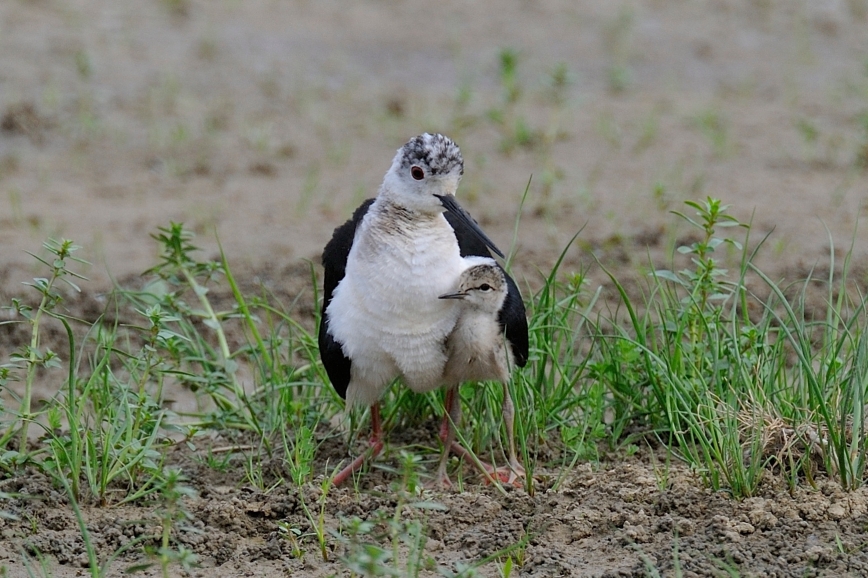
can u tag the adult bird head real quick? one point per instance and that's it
(424, 177)
(427, 166)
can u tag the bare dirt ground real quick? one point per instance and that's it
(268, 121)
(627, 518)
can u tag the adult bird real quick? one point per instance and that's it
(384, 271)
(489, 339)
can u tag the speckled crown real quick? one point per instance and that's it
(435, 153)
(484, 273)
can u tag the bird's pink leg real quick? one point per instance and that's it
(516, 471)
(451, 418)
(512, 474)
(445, 425)
(374, 449)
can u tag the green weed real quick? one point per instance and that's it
(32, 357)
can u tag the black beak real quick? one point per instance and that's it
(451, 205)
(453, 296)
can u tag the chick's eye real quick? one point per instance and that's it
(417, 173)
(485, 287)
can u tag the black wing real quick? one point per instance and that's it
(512, 317)
(334, 261)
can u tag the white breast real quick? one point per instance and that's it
(387, 305)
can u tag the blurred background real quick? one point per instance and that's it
(267, 121)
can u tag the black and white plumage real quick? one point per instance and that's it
(385, 269)
(490, 338)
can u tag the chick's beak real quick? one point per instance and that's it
(458, 295)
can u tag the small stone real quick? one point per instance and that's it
(685, 527)
(837, 512)
(731, 536)
(638, 533)
(762, 519)
(817, 553)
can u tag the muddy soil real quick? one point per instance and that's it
(267, 122)
(631, 517)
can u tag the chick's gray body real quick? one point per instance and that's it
(476, 348)
(489, 339)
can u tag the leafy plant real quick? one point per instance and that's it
(32, 357)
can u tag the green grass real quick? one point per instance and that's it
(728, 370)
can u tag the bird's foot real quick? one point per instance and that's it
(513, 474)
(440, 482)
(376, 446)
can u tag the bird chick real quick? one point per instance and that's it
(489, 338)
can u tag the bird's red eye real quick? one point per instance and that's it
(417, 173)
